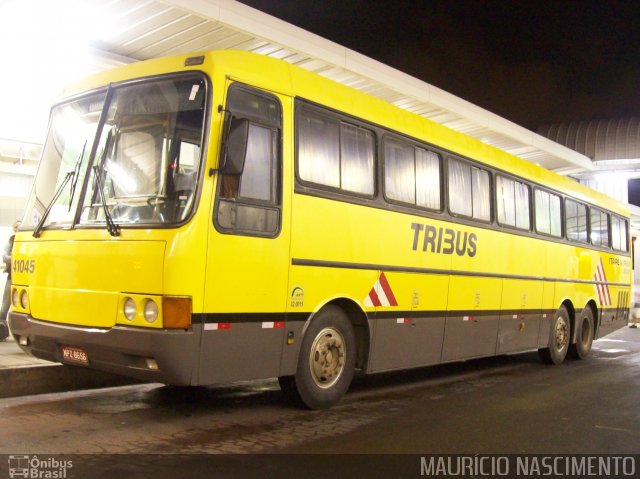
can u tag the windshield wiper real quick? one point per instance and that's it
(76, 175)
(67, 178)
(112, 228)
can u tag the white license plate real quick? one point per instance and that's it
(74, 355)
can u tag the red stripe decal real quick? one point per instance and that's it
(387, 290)
(605, 286)
(603, 289)
(374, 298)
(604, 276)
(601, 296)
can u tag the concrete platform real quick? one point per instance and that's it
(22, 375)
(11, 356)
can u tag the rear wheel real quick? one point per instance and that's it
(326, 362)
(559, 337)
(584, 335)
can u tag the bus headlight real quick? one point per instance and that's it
(130, 309)
(24, 299)
(15, 298)
(150, 311)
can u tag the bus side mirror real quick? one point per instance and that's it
(235, 151)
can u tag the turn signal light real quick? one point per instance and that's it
(176, 312)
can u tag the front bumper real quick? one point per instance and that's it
(120, 350)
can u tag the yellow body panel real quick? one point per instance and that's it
(78, 281)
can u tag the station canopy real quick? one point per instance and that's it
(144, 29)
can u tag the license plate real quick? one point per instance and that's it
(74, 355)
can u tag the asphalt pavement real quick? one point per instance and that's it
(384, 426)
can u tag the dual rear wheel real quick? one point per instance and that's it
(585, 332)
(560, 337)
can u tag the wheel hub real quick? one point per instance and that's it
(562, 334)
(327, 357)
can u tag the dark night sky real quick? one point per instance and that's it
(533, 62)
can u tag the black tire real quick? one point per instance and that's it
(559, 338)
(326, 362)
(585, 329)
(4, 330)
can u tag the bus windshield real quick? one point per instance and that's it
(133, 152)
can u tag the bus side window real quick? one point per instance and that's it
(249, 203)
(599, 228)
(469, 190)
(619, 234)
(411, 174)
(335, 154)
(548, 213)
(512, 203)
(576, 221)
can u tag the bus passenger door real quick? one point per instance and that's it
(248, 250)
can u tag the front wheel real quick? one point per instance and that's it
(559, 337)
(326, 363)
(584, 335)
(4, 330)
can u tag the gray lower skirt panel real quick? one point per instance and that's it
(118, 350)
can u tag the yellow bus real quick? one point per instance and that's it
(227, 216)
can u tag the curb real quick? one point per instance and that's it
(43, 379)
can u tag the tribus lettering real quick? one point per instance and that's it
(444, 240)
